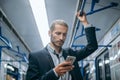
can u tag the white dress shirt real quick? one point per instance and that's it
(57, 59)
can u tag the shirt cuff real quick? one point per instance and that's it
(55, 73)
(89, 25)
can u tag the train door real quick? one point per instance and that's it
(103, 66)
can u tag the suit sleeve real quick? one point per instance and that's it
(34, 73)
(90, 47)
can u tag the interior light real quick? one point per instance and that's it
(40, 15)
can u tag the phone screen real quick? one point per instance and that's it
(71, 59)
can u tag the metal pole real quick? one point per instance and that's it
(0, 62)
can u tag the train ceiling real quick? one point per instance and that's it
(20, 15)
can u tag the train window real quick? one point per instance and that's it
(12, 72)
(103, 66)
(107, 66)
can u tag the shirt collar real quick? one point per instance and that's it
(52, 50)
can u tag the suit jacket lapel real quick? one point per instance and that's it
(49, 58)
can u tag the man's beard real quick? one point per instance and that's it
(56, 44)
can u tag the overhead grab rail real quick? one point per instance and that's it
(9, 47)
(19, 54)
(11, 27)
(5, 40)
(82, 7)
(93, 4)
(8, 43)
(82, 31)
(22, 55)
(112, 4)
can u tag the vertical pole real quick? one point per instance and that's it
(0, 28)
(0, 31)
(76, 29)
(82, 7)
(19, 75)
(96, 69)
(0, 56)
(82, 68)
(0, 62)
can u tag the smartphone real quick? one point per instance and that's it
(71, 59)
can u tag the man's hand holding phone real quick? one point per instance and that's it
(65, 66)
(71, 59)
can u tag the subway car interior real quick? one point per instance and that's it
(24, 26)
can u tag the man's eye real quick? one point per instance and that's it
(65, 34)
(58, 33)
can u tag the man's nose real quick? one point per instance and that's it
(62, 37)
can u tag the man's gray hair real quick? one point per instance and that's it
(59, 22)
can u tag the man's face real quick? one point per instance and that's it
(58, 35)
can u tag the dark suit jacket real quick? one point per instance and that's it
(41, 64)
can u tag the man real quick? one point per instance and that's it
(50, 63)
